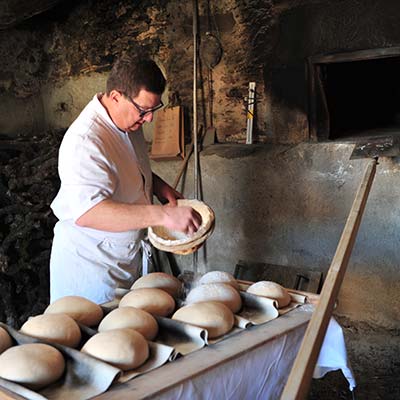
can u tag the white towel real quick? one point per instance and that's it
(333, 355)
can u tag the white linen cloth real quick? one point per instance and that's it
(261, 374)
(333, 355)
(97, 161)
(258, 374)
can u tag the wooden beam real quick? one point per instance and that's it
(300, 376)
(359, 55)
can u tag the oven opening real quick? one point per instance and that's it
(352, 97)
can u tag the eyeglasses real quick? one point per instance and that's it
(143, 112)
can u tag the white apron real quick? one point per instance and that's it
(93, 264)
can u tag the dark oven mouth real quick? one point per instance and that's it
(354, 95)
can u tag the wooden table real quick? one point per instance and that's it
(223, 360)
(212, 368)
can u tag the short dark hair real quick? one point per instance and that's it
(129, 75)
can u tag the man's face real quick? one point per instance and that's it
(135, 111)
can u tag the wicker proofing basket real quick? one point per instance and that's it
(178, 242)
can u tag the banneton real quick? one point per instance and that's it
(168, 240)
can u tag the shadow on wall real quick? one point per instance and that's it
(56, 107)
(289, 115)
(21, 116)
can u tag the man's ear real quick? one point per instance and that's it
(115, 96)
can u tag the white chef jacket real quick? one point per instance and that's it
(97, 161)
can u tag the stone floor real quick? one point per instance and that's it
(370, 386)
(374, 354)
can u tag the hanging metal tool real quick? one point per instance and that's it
(210, 54)
(210, 50)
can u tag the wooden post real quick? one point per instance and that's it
(298, 384)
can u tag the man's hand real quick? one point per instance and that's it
(183, 219)
(164, 192)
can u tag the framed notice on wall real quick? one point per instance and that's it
(168, 137)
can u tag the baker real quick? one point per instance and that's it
(104, 204)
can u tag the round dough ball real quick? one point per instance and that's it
(79, 308)
(124, 348)
(154, 301)
(34, 365)
(5, 340)
(216, 317)
(130, 317)
(221, 292)
(271, 290)
(160, 280)
(219, 277)
(55, 328)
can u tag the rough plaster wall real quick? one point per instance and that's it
(21, 115)
(63, 103)
(288, 205)
(245, 43)
(263, 41)
(77, 39)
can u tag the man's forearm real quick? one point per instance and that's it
(164, 192)
(158, 183)
(112, 216)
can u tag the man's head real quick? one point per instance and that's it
(134, 89)
(130, 74)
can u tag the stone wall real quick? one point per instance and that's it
(49, 61)
(262, 41)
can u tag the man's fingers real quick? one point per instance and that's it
(184, 219)
(172, 201)
(197, 219)
(194, 224)
(192, 227)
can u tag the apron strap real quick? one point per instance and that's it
(147, 259)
